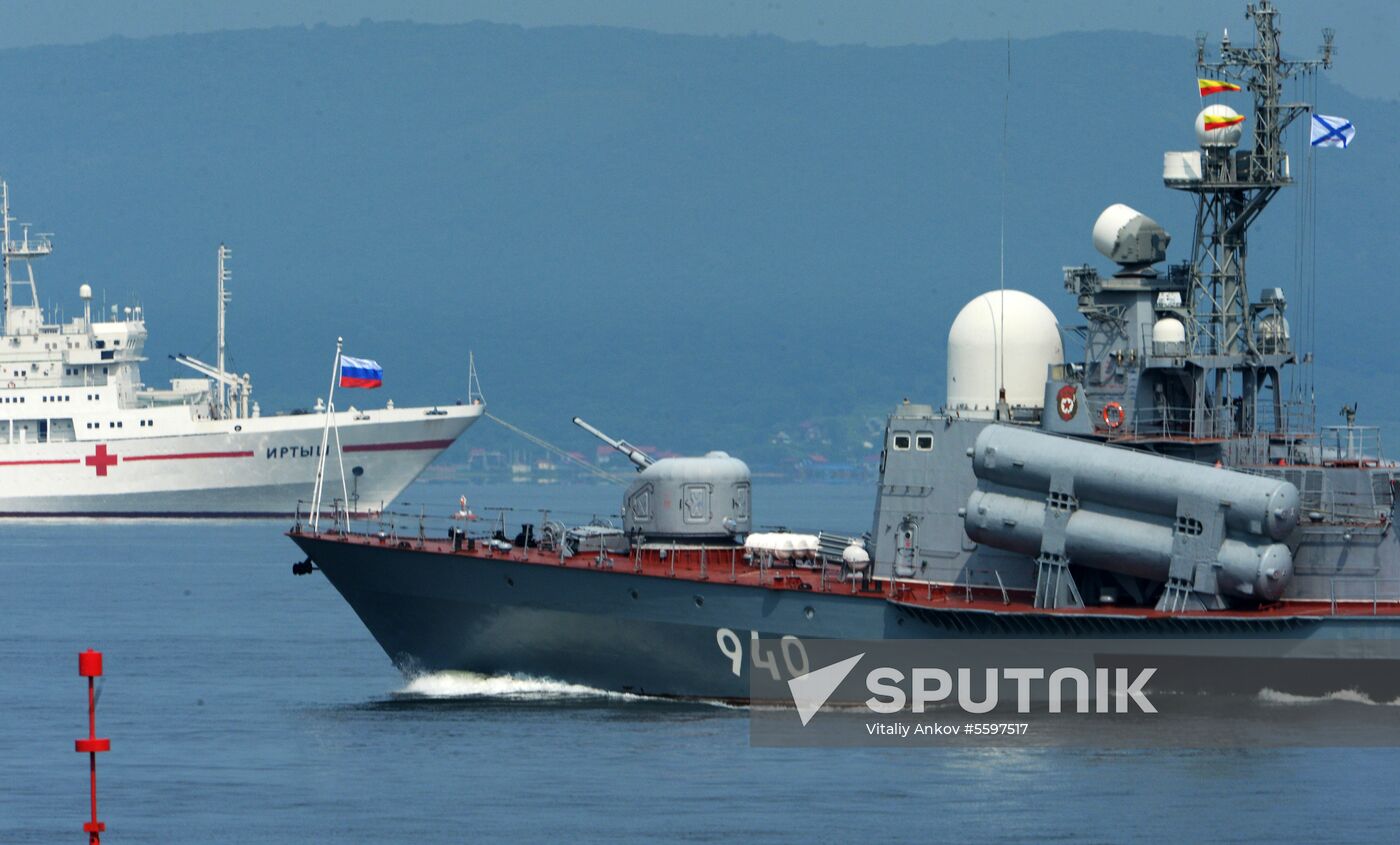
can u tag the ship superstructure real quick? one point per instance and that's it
(82, 435)
(1166, 485)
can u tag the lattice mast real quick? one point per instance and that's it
(1234, 187)
(225, 296)
(25, 250)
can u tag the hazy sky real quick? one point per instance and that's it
(1368, 31)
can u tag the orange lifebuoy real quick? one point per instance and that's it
(1113, 415)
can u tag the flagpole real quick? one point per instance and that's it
(325, 436)
(340, 459)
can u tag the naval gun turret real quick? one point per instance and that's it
(683, 499)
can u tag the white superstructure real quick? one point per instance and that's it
(81, 434)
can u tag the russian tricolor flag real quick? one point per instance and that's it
(360, 372)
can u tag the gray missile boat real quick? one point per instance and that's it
(1165, 487)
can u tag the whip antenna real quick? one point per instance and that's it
(1001, 322)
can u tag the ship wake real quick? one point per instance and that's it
(470, 685)
(1274, 697)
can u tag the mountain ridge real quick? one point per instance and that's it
(691, 240)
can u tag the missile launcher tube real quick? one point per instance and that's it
(1135, 481)
(1138, 547)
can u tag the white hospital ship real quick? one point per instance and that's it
(82, 435)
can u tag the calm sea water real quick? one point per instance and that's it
(246, 705)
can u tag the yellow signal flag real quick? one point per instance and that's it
(1220, 121)
(1215, 86)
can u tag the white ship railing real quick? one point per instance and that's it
(1368, 589)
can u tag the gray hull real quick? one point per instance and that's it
(649, 635)
(606, 629)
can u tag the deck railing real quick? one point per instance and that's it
(1362, 588)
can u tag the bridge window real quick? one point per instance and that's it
(901, 441)
(924, 441)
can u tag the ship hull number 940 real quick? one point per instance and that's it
(791, 652)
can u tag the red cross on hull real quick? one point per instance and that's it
(100, 460)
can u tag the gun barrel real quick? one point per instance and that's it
(635, 455)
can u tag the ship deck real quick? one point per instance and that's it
(728, 565)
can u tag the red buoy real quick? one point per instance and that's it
(90, 667)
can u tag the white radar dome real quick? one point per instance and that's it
(1169, 337)
(1219, 126)
(1168, 330)
(984, 349)
(85, 291)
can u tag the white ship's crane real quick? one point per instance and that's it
(241, 387)
(231, 391)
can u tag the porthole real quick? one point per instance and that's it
(634, 594)
(808, 612)
(510, 582)
(699, 601)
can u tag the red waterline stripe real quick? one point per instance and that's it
(182, 456)
(411, 445)
(40, 463)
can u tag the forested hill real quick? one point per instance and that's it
(695, 242)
